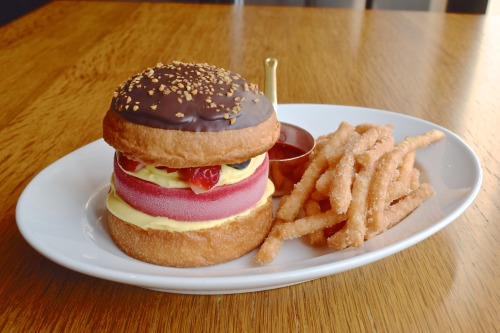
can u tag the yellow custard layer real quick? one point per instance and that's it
(125, 212)
(228, 175)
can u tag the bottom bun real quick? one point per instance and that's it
(194, 248)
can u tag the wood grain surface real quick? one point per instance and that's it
(61, 63)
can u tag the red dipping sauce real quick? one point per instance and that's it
(284, 151)
(288, 158)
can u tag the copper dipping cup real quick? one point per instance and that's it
(285, 173)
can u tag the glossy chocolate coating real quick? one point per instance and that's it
(191, 97)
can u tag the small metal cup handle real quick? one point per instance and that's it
(270, 87)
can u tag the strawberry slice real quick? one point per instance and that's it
(128, 164)
(167, 169)
(201, 179)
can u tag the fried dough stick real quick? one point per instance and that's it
(340, 190)
(385, 142)
(303, 189)
(397, 212)
(385, 168)
(317, 238)
(401, 186)
(290, 230)
(353, 232)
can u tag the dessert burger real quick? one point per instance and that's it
(190, 184)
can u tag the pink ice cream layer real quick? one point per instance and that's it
(182, 204)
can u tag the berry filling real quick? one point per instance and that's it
(200, 179)
(128, 164)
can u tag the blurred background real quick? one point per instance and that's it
(13, 9)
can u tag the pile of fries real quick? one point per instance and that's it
(358, 184)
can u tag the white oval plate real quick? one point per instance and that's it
(61, 214)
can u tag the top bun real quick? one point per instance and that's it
(188, 115)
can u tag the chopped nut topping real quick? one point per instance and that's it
(213, 89)
(179, 114)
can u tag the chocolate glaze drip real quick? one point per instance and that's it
(191, 97)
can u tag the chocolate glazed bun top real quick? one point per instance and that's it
(191, 97)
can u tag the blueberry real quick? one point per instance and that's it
(240, 166)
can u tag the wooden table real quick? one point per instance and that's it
(61, 63)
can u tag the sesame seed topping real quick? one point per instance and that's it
(179, 115)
